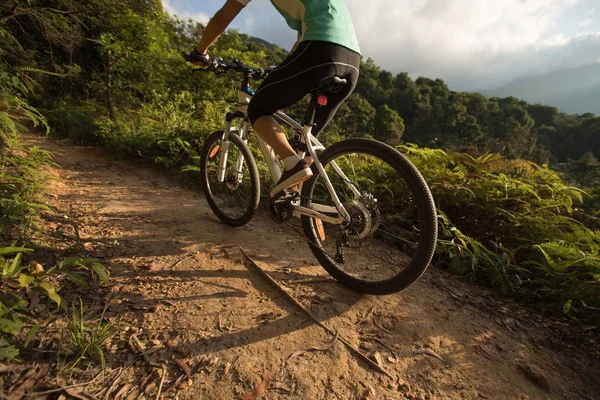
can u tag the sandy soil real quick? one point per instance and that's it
(183, 287)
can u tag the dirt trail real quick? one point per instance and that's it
(182, 286)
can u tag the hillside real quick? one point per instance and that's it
(112, 259)
(575, 90)
(182, 288)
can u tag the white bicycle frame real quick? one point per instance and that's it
(272, 160)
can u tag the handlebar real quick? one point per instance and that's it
(220, 66)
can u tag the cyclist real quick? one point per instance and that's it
(326, 47)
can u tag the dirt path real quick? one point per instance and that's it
(183, 287)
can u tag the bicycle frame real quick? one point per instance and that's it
(272, 160)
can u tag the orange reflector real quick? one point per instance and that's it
(214, 151)
(322, 100)
(320, 229)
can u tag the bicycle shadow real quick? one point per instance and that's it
(208, 270)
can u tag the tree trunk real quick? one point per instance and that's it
(109, 100)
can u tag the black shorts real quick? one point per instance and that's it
(302, 72)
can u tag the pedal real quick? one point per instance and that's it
(285, 197)
(280, 208)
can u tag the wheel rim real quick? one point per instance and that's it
(233, 196)
(383, 240)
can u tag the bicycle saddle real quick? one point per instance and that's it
(331, 85)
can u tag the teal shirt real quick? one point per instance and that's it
(325, 20)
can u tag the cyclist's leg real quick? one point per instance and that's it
(351, 72)
(301, 73)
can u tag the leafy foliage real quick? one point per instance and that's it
(14, 311)
(23, 179)
(511, 224)
(516, 184)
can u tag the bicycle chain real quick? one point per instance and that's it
(308, 240)
(304, 236)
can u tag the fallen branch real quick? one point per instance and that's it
(61, 389)
(431, 353)
(162, 381)
(141, 350)
(381, 342)
(182, 260)
(113, 384)
(273, 282)
(380, 325)
(327, 347)
(308, 281)
(183, 366)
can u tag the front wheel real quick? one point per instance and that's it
(390, 237)
(235, 196)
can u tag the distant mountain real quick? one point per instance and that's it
(268, 45)
(575, 90)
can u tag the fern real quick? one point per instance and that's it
(8, 351)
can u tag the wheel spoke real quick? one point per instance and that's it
(372, 250)
(236, 198)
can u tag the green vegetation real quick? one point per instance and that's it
(88, 337)
(513, 224)
(516, 183)
(23, 180)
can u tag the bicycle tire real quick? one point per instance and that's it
(418, 188)
(254, 181)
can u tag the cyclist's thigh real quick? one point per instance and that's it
(350, 72)
(302, 72)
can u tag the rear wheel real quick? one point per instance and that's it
(391, 235)
(235, 199)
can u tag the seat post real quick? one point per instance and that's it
(309, 115)
(319, 97)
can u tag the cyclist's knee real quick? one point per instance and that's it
(255, 112)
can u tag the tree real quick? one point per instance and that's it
(355, 117)
(388, 125)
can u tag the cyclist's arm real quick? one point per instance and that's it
(218, 24)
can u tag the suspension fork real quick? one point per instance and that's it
(240, 160)
(225, 145)
(224, 152)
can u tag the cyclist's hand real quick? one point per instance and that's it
(202, 60)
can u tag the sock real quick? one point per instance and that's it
(290, 162)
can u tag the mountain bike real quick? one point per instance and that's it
(367, 214)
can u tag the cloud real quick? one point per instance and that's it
(586, 22)
(471, 44)
(182, 10)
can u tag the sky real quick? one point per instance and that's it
(470, 44)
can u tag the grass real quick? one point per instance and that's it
(87, 338)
